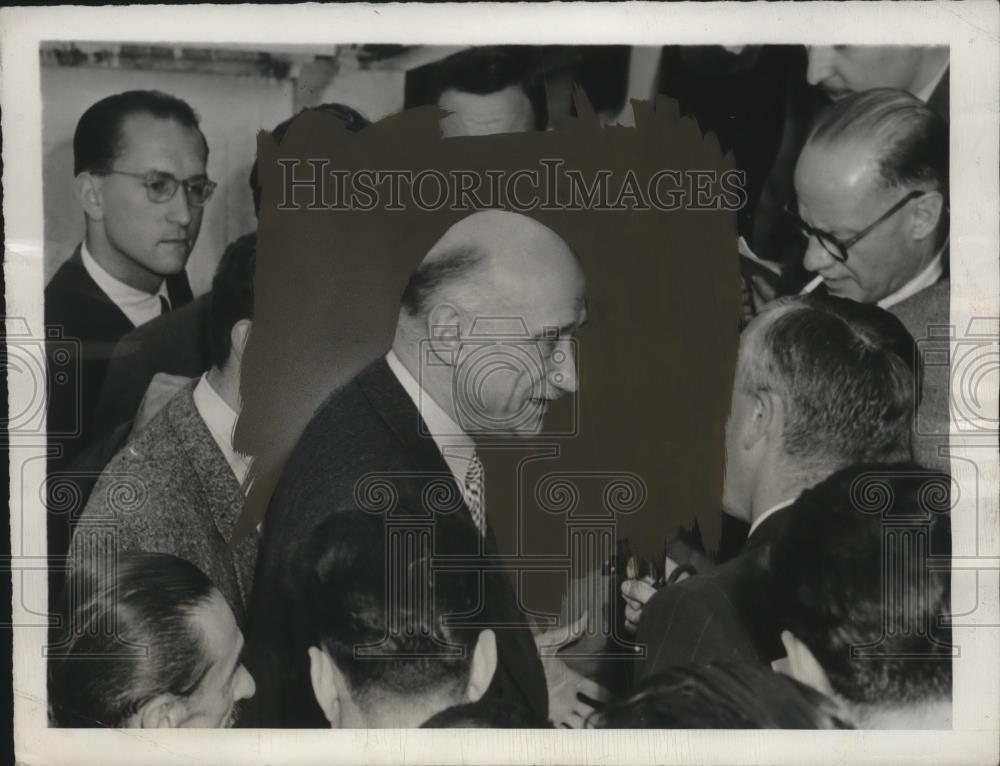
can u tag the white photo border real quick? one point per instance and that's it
(972, 31)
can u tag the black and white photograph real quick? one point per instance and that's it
(616, 375)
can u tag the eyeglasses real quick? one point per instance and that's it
(838, 247)
(161, 187)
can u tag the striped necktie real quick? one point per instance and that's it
(474, 493)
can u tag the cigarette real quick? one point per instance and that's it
(812, 285)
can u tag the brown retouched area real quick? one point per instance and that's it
(640, 445)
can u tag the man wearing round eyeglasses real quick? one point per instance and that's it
(872, 193)
(140, 177)
(872, 204)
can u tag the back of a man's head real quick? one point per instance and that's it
(351, 119)
(383, 620)
(232, 295)
(862, 581)
(97, 140)
(847, 374)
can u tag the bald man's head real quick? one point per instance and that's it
(505, 292)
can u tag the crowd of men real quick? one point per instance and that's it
(799, 629)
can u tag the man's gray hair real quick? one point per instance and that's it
(847, 373)
(448, 269)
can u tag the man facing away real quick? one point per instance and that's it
(382, 656)
(181, 468)
(821, 383)
(862, 584)
(409, 421)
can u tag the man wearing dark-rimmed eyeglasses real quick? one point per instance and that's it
(141, 181)
(872, 204)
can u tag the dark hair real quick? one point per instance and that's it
(352, 120)
(876, 639)
(485, 69)
(723, 696)
(912, 137)
(411, 648)
(232, 295)
(447, 269)
(485, 713)
(847, 372)
(97, 141)
(489, 69)
(126, 637)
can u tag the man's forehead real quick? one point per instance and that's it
(160, 139)
(840, 174)
(221, 635)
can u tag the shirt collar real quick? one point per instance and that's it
(456, 446)
(769, 512)
(929, 276)
(138, 305)
(220, 419)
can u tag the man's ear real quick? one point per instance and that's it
(444, 332)
(90, 196)
(164, 711)
(926, 213)
(766, 419)
(323, 675)
(238, 338)
(803, 666)
(484, 665)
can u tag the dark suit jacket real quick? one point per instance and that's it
(176, 343)
(186, 499)
(369, 425)
(725, 615)
(921, 313)
(82, 325)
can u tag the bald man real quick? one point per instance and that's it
(399, 440)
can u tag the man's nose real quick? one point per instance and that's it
(820, 58)
(179, 210)
(245, 687)
(562, 368)
(816, 257)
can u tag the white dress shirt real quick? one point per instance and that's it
(924, 279)
(138, 305)
(220, 419)
(456, 447)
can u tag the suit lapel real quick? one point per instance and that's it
(103, 312)
(179, 290)
(388, 397)
(390, 400)
(219, 488)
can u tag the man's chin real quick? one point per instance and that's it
(843, 288)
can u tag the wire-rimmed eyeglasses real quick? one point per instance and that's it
(161, 187)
